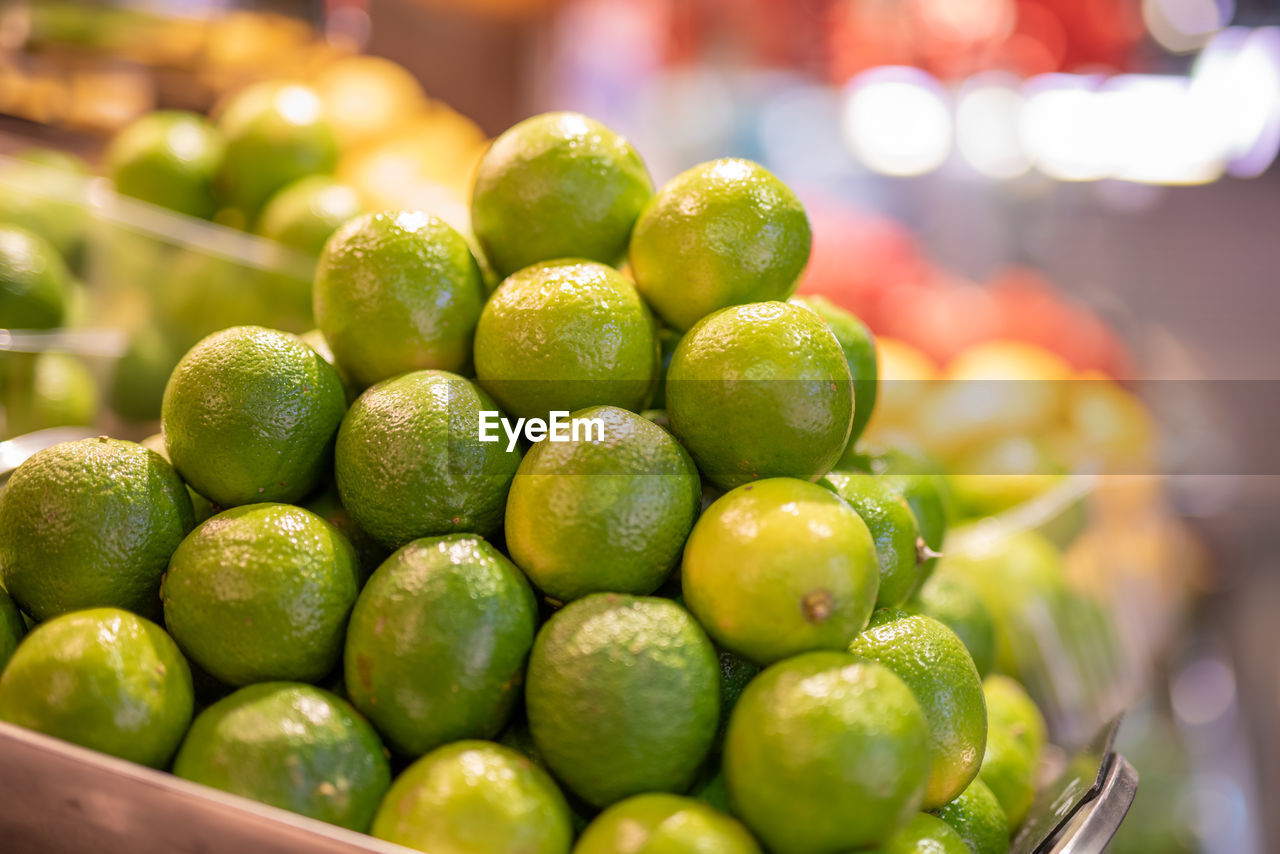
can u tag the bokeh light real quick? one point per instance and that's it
(896, 121)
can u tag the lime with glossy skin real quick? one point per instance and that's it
(1008, 770)
(438, 641)
(34, 283)
(979, 819)
(780, 567)
(826, 753)
(937, 668)
(250, 415)
(1011, 709)
(565, 335)
(726, 232)
(920, 480)
(859, 347)
(275, 134)
(168, 158)
(90, 524)
(558, 185)
(201, 507)
(292, 746)
(667, 823)
(892, 526)
(102, 678)
(605, 513)
(305, 213)
(409, 461)
(760, 390)
(956, 603)
(924, 834)
(261, 593)
(622, 696)
(395, 292)
(12, 628)
(475, 796)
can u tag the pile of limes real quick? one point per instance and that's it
(677, 629)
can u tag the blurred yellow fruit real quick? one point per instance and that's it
(367, 97)
(1107, 428)
(906, 376)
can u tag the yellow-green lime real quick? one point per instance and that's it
(780, 567)
(409, 461)
(202, 508)
(197, 294)
(437, 643)
(954, 602)
(475, 796)
(169, 158)
(275, 134)
(90, 524)
(760, 390)
(892, 526)
(924, 834)
(305, 213)
(723, 233)
(292, 746)
(919, 479)
(46, 194)
(102, 678)
(565, 335)
(1011, 709)
(34, 282)
(262, 593)
(250, 415)
(826, 753)
(665, 823)
(935, 665)
(314, 339)
(979, 819)
(622, 696)
(558, 185)
(859, 347)
(1009, 770)
(370, 553)
(607, 512)
(397, 291)
(12, 628)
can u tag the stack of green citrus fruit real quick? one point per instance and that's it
(682, 630)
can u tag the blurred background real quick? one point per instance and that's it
(1080, 195)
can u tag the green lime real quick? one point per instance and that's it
(202, 508)
(780, 567)
(859, 347)
(137, 384)
(250, 415)
(1009, 770)
(826, 753)
(979, 819)
(622, 696)
(605, 512)
(34, 282)
(169, 158)
(438, 641)
(395, 292)
(12, 628)
(723, 233)
(291, 746)
(937, 668)
(558, 185)
(305, 213)
(409, 461)
(275, 134)
(45, 192)
(62, 392)
(370, 553)
(475, 796)
(565, 335)
(90, 524)
(103, 679)
(262, 593)
(920, 480)
(924, 834)
(954, 602)
(892, 526)
(1011, 709)
(314, 339)
(760, 390)
(665, 823)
